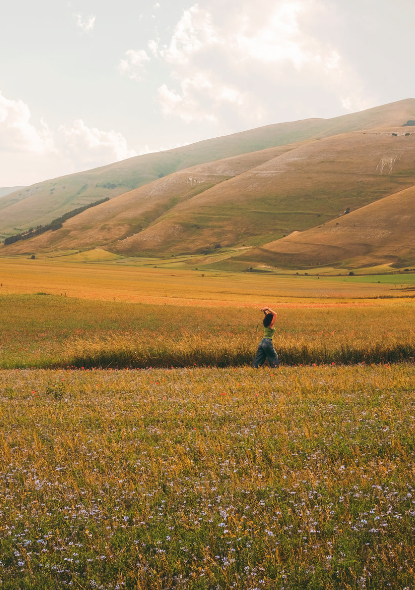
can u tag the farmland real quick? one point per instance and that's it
(140, 450)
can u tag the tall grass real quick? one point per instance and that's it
(206, 349)
(45, 331)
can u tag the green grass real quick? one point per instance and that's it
(208, 479)
(402, 278)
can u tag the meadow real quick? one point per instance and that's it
(208, 478)
(46, 331)
(140, 450)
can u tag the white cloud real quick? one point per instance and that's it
(279, 40)
(18, 134)
(154, 48)
(87, 25)
(30, 152)
(133, 65)
(198, 97)
(193, 33)
(242, 63)
(89, 146)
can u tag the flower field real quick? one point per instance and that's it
(208, 478)
(139, 449)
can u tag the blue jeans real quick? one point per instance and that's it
(266, 351)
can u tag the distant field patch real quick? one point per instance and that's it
(96, 255)
(150, 282)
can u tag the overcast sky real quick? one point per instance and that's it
(86, 82)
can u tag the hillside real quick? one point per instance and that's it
(45, 201)
(247, 200)
(132, 212)
(380, 233)
(6, 190)
(294, 191)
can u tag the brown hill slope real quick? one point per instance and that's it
(42, 202)
(131, 212)
(252, 199)
(380, 233)
(297, 190)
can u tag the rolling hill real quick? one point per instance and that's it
(129, 214)
(286, 202)
(294, 191)
(380, 233)
(6, 190)
(39, 204)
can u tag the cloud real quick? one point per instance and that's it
(18, 134)
(133, 65)
(86, 25)
(89, 146)
(193, 33)
(242, 63)
(198, 97)
(30, 152)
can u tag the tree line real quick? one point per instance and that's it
(53, 225)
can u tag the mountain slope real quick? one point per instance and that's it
(131, 212)
(42, 202)
(297, 190)
(6, 190)
(246, 200)
(380, 233)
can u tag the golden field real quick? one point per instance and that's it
(208, 478)
(139, 450)
(156, 281)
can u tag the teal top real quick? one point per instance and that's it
(269, 332)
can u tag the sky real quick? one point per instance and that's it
(84, 83)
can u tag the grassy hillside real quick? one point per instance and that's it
(295, 191)
(248, 200)
(380, 233)
(6, 190)
(132, 212)
(42, 202)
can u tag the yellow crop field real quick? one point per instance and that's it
(146, 284)
(139, 449)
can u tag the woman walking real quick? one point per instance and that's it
(266, 348)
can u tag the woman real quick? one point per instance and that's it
(265, 348)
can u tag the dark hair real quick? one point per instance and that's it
(267, 319)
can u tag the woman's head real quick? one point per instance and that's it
(267, 319)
